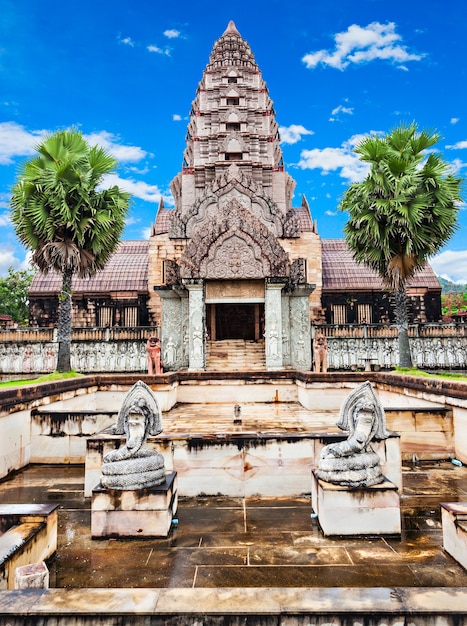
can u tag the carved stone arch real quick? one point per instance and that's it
(233, 115)
(235, 255)
(234, 228)
(261, 205)
(233, 143)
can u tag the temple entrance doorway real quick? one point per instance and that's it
(235, 321)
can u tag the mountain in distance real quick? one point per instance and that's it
(449, 287)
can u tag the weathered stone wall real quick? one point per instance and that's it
(383, 353)
(344, 353)
(161, 249)
(435, 606)
(86, 357)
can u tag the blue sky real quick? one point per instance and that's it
(125, 73)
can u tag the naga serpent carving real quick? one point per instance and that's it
(353, 462)
(132, 466)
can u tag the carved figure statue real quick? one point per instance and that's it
(132, 466)
(353, 462)
(320, 353)
(153, 349)
(273, 342)
(197, 343)
(170, 354)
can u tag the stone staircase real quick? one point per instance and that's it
(234, 355)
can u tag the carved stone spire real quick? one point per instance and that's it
(231, 28)
(232, 119)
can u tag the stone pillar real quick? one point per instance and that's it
(171, 332)
(286, 339)
(300, 328)
(196, 312)
(273, 323)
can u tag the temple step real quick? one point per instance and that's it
(235, 355)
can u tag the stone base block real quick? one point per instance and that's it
(33, 576)
(454, 521)
(367, 511)
(134, 512)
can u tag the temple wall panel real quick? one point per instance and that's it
(308, 247)
(161, 248)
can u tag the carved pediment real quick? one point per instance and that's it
(236, 244)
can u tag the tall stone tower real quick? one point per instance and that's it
(234, 259)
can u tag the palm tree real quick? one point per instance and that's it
(402, 213)
(59, 213)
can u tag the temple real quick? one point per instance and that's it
(234, 259)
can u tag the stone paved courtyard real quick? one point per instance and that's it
(235, 542)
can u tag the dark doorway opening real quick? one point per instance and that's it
(235, 321)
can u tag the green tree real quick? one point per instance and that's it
(14, 290)
(60, 213)
(402, 213)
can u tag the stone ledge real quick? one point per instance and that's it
(341, 603)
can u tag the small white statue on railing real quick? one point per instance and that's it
(353, 462)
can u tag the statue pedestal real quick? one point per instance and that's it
(365, 511)
(134, 512)
(454, 520)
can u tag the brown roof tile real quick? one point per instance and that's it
(162, 221)
(342, 272)
(306, 223)
(126, 270)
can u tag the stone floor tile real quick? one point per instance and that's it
(289, 555)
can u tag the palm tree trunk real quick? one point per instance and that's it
(64, 324)
(402, 322)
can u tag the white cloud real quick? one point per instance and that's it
(171, 33)
(176, 117)
(108, 141)
(158, 50)
(5, 219)
(293, 133)
(138, 189)
(337, 111)
(342, 109)
(458, 165)
(8, 259)
(454, 120)
(127, 41)
(451, 265)
(146, 232)
(16, 141)
(333, 159)
(361, 45)
(460, 145)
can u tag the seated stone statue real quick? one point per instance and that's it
(132, 466)
(353, 462)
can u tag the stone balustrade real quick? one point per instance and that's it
(350, 348)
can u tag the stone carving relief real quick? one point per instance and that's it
(298, 272)
(130, 356)
(205, 207)
(234, 221)
(172, 272)
(234, 258)
(291, 226)
(132, 466)
(353, 462)
(300, 332)
(171, 332)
